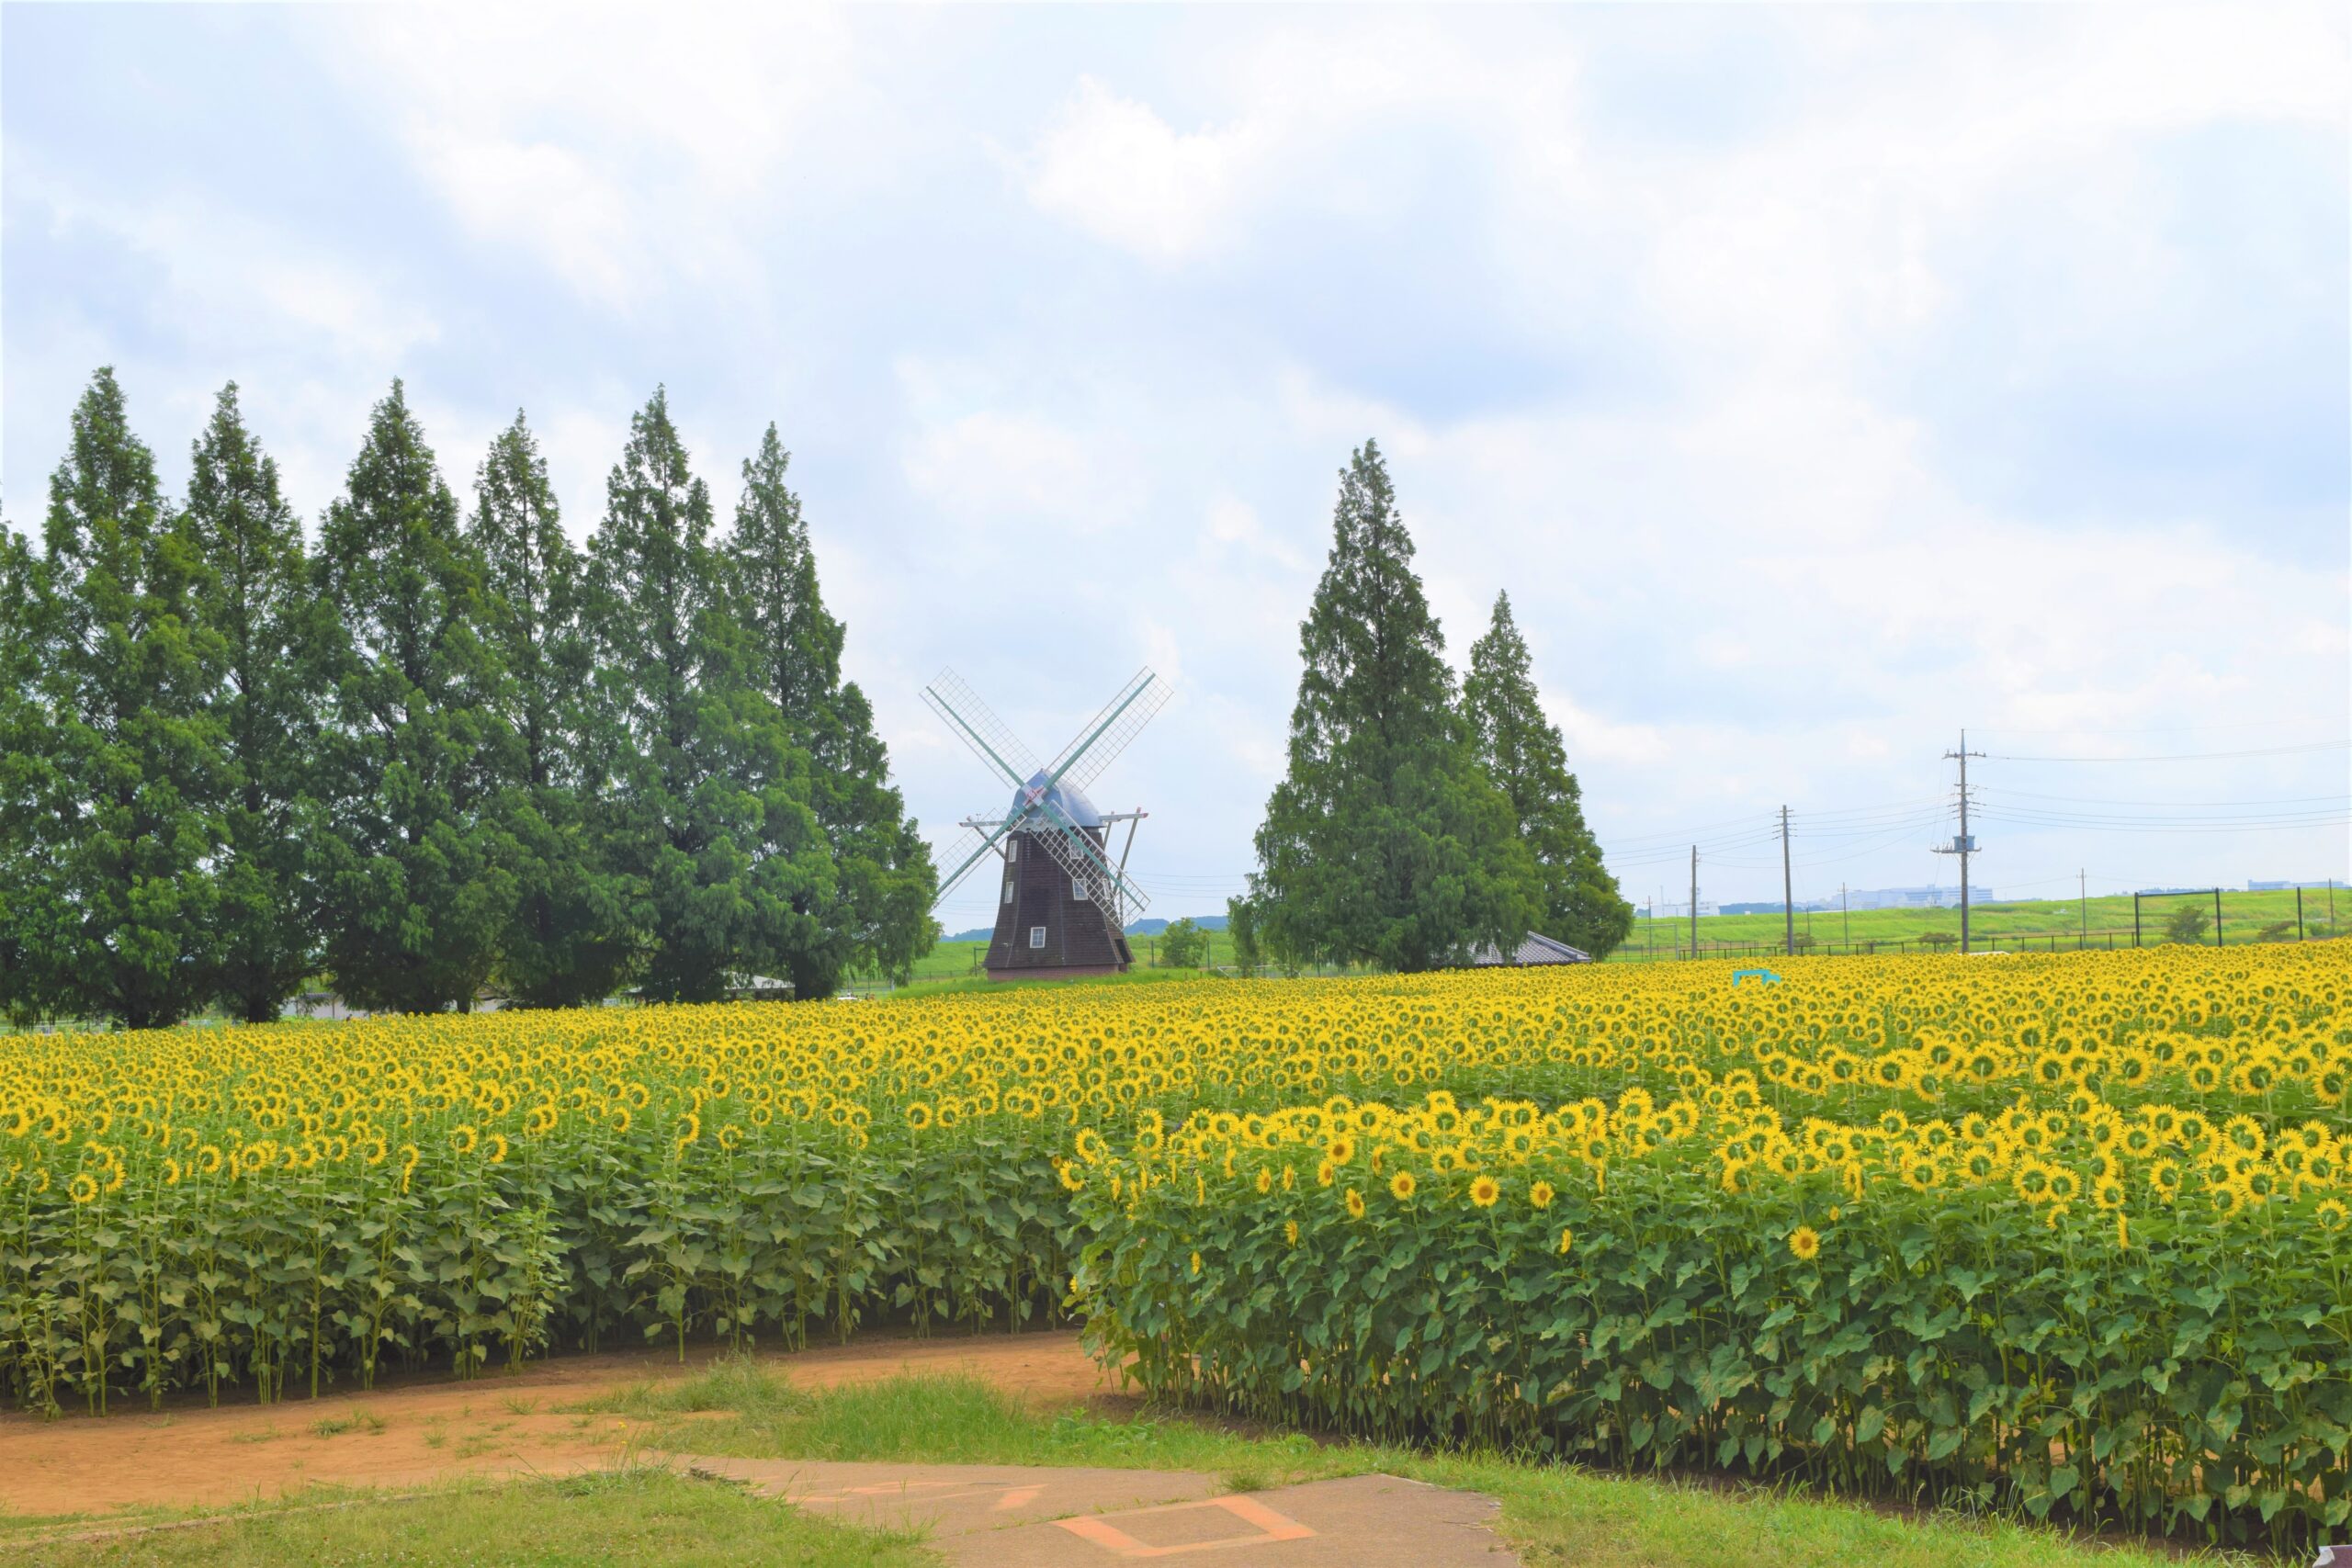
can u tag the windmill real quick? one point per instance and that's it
(1062, 905)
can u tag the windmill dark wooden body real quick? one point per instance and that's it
(1062, 905)
(1047, 921)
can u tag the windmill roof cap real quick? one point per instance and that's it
(1067, 798)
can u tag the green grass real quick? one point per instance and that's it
(963, 982)
(638, 1515)
(1552, 1513)
(1554, 1516)
(960, 960)
(358, 1421)
(2033, 923)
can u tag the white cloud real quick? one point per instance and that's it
(547, 197)
(1009, 468)
(1233, 524)
(1636, 353)
(1589, 736)
(233, 277)
(620, 148)
(1117, 169)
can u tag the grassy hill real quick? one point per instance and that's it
(954, 959)
(2063, 922)
(2039, 923)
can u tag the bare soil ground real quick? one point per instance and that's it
(422, 1432)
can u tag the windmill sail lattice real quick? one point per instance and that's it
(1121, 720)
(1049, 808)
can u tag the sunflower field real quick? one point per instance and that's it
(2063, 1233)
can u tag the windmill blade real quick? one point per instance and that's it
(1071, 851)
(1107, 734)
(967, 853)
(1077, 855)
(960, 708)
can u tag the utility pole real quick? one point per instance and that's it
(1962, 844)
(1651, 923)
(1694, 900)
(2083, 885)
(1788, 898)
(1846, 917)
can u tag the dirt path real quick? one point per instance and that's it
(980, 1515)
(419, 1433)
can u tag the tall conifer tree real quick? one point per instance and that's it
(1385, 843)
(1523, 754)
(568, 941)
(416, 884)
(878, 911)
(255, 600)
(25, 792)
(135, 766)
(708, 815)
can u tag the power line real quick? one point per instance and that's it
(2159, 729)
(2131, 827)
(1962, 844)
(2218, 814)
(2091, 800)
(1869, 848)
(2187, 756)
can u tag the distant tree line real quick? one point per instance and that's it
(1420, 816)
(435, 751)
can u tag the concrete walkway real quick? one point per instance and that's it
(1028, 1517)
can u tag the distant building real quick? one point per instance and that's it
(2289, 886)
(1682, 912)
(1913, 898)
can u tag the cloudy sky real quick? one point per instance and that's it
(1817, 380)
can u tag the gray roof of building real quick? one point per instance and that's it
(1536, 949)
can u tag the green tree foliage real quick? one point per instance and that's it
(1385, 843)
(124, 909)
(1523, 754)
(875, 910)
(708, 814)
(254, 600)
(416, 887)
(568, 940)
(1241, 929)
(25, 790)
(1185, 945)
(2186, 923)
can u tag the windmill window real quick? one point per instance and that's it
(1037, 936)
(1012, 850)
(1007, 890)
(1077, 890)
